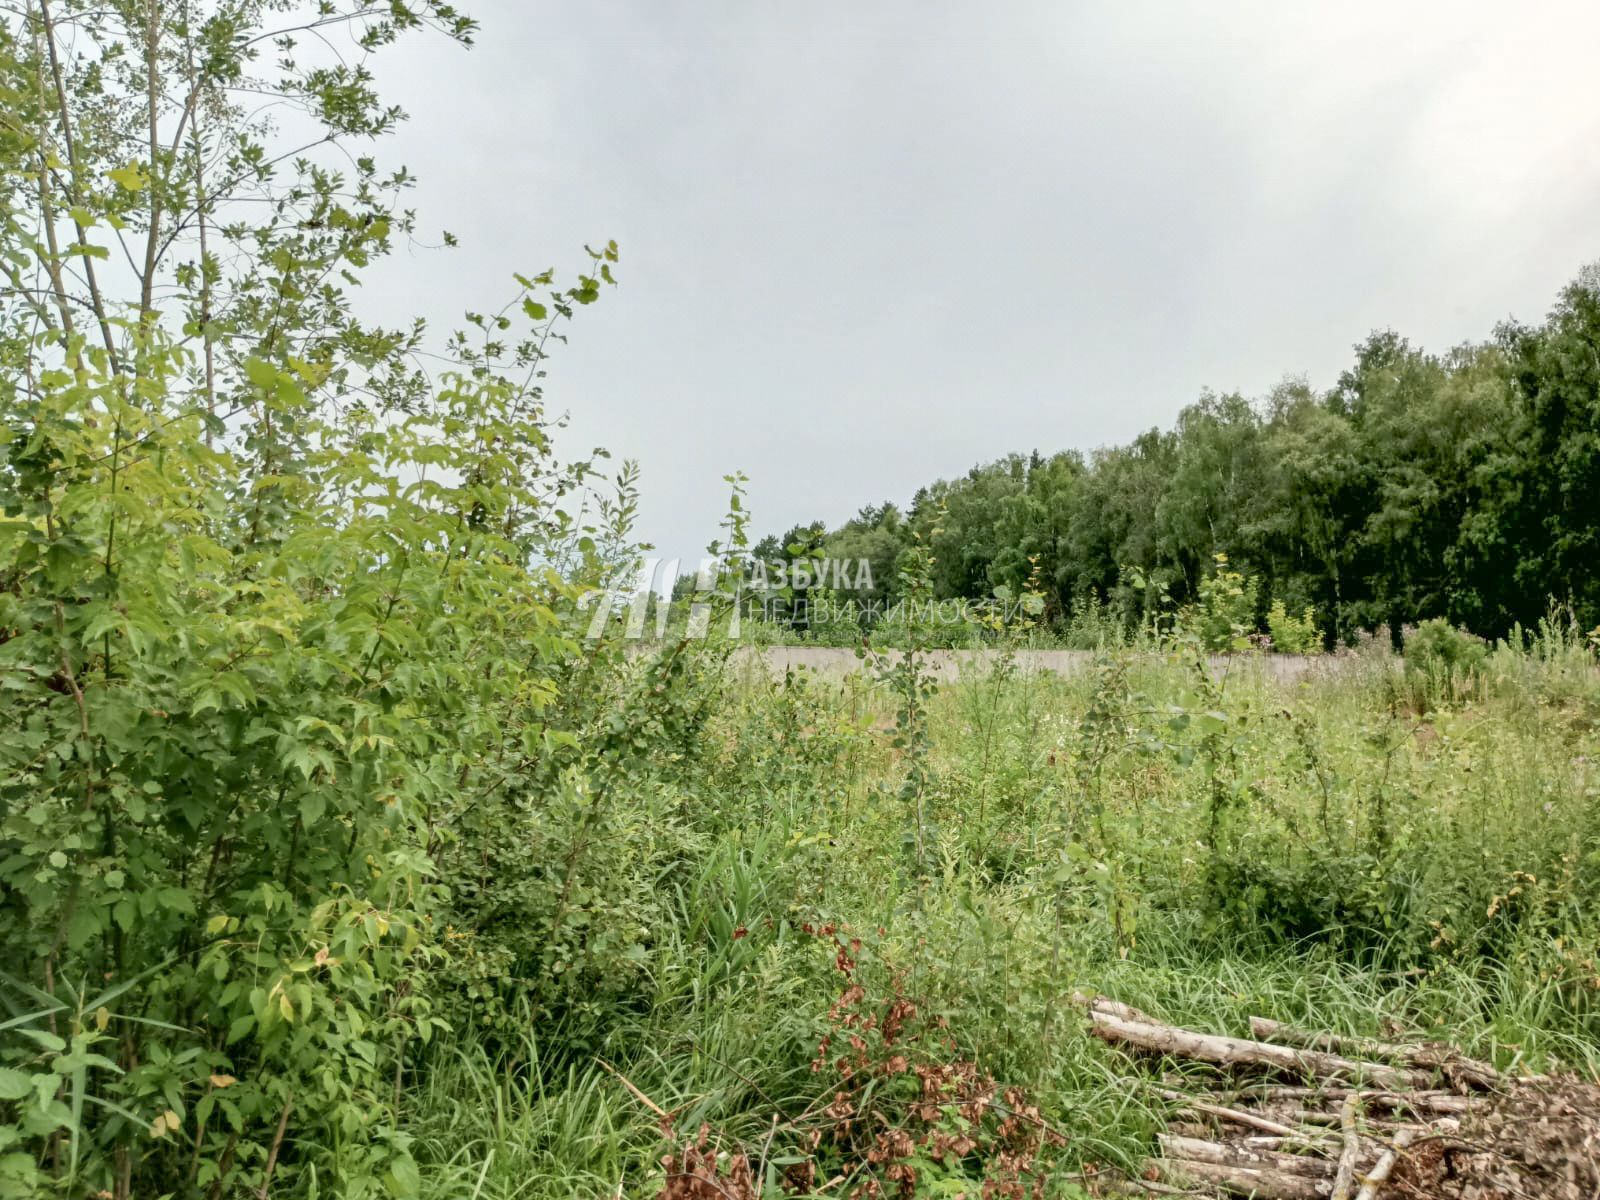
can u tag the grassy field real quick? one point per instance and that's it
(923, 875)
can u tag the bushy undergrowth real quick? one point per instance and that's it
(1436, 646)
(1204, 845)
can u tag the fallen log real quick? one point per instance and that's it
(1259, 1182)
(1237, 1154)
(1269, 1030)
(1417, 1054)
(1310, 1116)
(1344, 1177)
(1115, 1007)
(1283, 1140)
(1231, 1051)
(1436, 1101)
(1237, 1115)
(1301, 1141)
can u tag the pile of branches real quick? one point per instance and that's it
(1292, 1115)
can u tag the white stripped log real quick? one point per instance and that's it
(1229, 1051)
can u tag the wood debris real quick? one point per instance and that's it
(1291, 1114)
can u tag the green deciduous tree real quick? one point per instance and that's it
(276, 606)
(1459, 486)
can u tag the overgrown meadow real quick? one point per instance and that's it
(1362, 850)
(337, 860)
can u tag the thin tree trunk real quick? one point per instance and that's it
(75, 176)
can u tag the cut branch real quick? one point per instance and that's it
(1237, 1115)
(1380, 1172)
(1236, 1155)
(1444, 1058)
(1260, 1182)
(1231, 1051)
(1344, 1177)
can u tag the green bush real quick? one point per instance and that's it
(1291, 634)
(275, 617)
(1224, 616)
(1094, 624)
(1435, 647)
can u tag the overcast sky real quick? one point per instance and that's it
(868, 244)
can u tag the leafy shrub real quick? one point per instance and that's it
(909, 1112)
(1094, 624)
(558, 876)
(238, 717)
(1291, 634)
(274, 614)
(1224, 615)
(835, 618)
(1435, 647)
(1357, 904)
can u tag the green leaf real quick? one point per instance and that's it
(14, 1085)
(130, 178)
(312, 805)
(263, 374)
(404, 1179)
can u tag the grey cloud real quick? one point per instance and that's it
(869, 244)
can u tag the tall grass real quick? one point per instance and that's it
(1356, 851)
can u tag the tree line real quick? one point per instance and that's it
(1462, 485)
